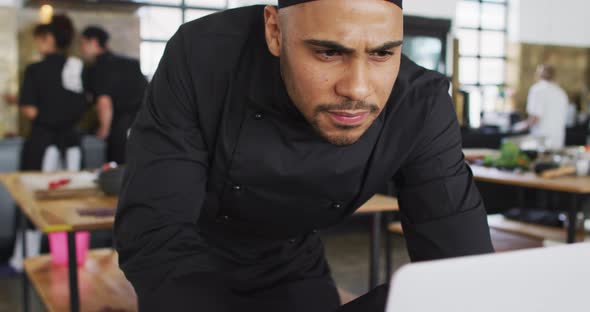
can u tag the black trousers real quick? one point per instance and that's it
(211, 294)
(40, 138)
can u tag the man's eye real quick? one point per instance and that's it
(382, 55)
(328, 54)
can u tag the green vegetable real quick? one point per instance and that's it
(510, 157)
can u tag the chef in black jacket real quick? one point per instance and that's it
(117, 85)
(262, 125)
(52, 97)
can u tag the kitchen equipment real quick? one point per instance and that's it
(111, 179)
(60, 185)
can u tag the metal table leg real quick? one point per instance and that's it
(388, 250)
(375, 248)
(521, 198)
(73, 273)
(23, 228)
(572, 219)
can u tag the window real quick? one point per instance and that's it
(161, 18)
(482, 34)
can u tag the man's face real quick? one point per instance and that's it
(339, 61)
(45, 44)
(88, 47)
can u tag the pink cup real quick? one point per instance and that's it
(58, 247)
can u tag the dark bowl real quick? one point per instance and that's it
(532, 154)
(542, 166)
(110, 181)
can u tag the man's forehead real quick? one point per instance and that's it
(375, 23)
(286, 3)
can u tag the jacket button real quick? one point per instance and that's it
(336, 206)
(258, 116)
(223, 219)
(314, 231)
(292, 241)
(237, 188)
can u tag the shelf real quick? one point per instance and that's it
(102, 284)
(501, 223)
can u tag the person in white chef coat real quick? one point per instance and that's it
(547, 107)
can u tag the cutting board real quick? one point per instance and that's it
(81, 184)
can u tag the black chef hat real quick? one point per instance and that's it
(286, 3)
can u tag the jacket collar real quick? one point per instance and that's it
(265, 86)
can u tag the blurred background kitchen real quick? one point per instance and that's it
(491, 50)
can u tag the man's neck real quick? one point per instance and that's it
(100, 54)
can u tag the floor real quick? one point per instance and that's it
(347, 250)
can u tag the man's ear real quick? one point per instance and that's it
(272, 30)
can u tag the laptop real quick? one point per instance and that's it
(551, 279)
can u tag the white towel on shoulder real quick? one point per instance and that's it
(71, 75)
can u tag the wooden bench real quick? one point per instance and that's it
(541, 232)
(501, 223)
(396, 228)
(103, 287)
(512, 235)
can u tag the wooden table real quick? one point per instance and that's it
(377, 205)
(573, 185)
(57, 216)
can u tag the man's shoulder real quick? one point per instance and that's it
(539, 85)
(43, 64)
(32, 67)
(547, 87)
(229, 23)
(121, 59)
(217, 43)
(416, 81)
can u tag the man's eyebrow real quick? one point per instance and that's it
(386, 46)
(332, 45)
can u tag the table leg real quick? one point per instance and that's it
(23, 230)
(375, 251)
(388, 250)
(572, 219)
(73, 273)
(521, 197)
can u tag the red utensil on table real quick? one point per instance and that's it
(58, 183)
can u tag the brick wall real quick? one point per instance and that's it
(572, 66)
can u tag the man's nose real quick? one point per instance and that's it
(355, 85)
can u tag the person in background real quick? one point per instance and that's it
(52, 97)
(547, 106)
(574, 110)
(117, 85)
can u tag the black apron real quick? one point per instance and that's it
(40, 139)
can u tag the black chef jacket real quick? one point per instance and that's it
(226, 181)
(59, 110)
(121, 79)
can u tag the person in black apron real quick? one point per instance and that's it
(117, 85)
(52, 97)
